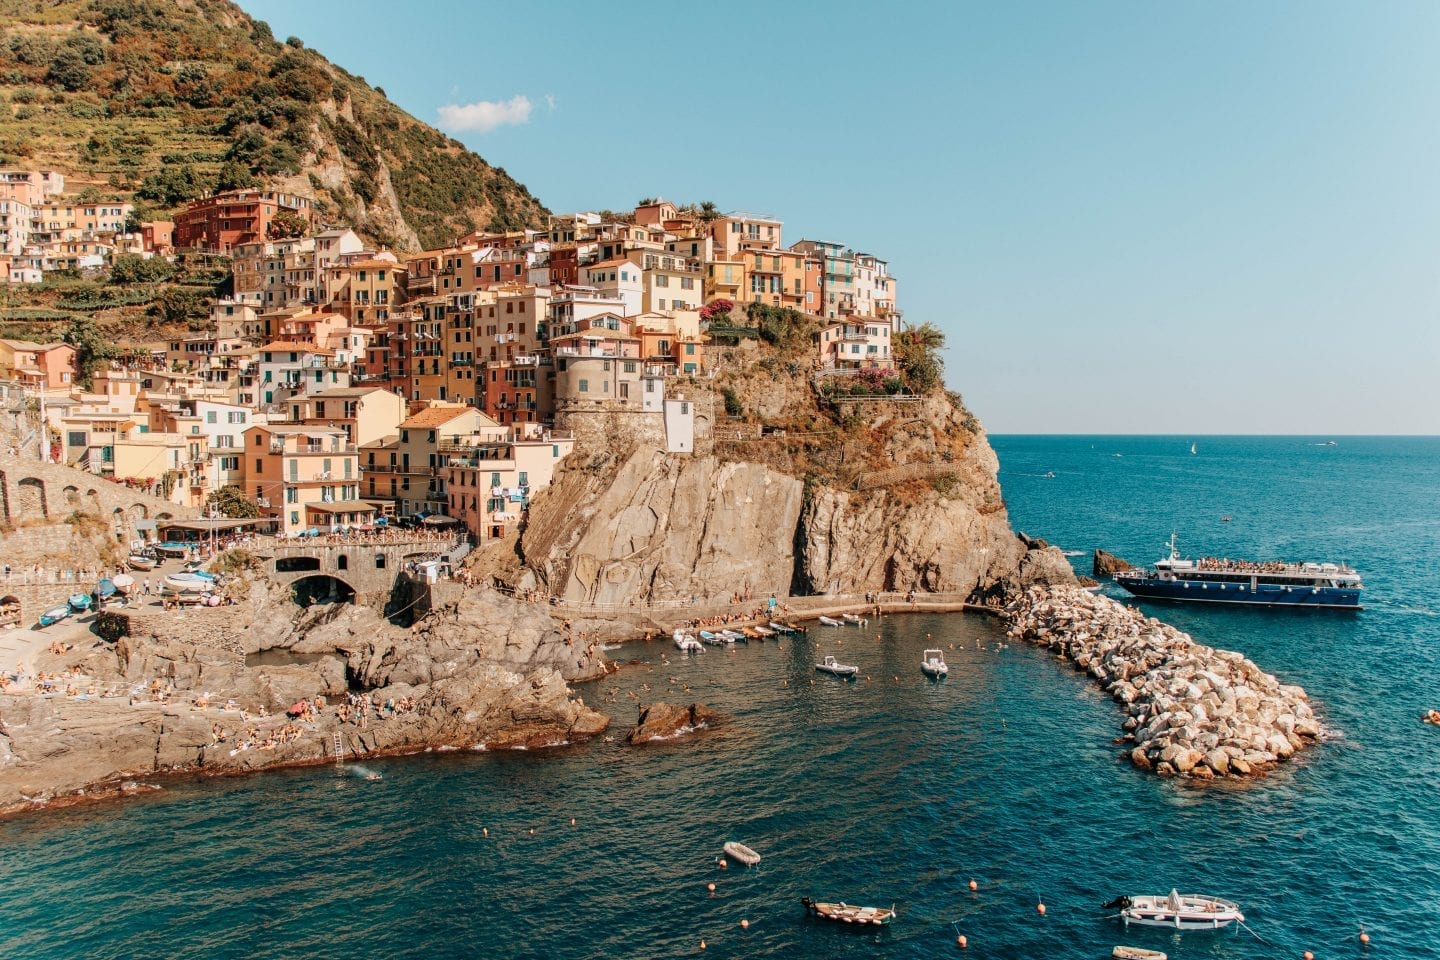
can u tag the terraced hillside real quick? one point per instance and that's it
(158, 101)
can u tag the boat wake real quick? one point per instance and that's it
(1074, 553)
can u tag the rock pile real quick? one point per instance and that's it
(666, 721)
(1194, 711)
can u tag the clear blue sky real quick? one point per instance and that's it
(1127, 217)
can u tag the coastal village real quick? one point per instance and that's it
(340, 387)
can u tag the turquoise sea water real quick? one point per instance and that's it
(896, 790)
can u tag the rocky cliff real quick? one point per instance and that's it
(906, 499)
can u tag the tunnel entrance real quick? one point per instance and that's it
(308, 591)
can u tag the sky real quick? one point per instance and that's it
(1127, 217)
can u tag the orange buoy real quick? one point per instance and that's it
(974, 885)
(724, 864)
(1308, 955)
(711, 888)
(1040, 908)
(744, 924)
(962, 941)
(1364, 937)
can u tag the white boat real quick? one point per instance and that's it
(763, 631)
(853, 619)
(741, 853)
(933, 663)
(716, 639)
(779, 627)
(831, 665)
(1181, 911)
(831, 622)
(732, 635)
(183, 583)
(686, 642)
(1136, 953)
(141, 561)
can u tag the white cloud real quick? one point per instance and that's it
(485, 115)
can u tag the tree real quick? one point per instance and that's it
(286, 224)
(231, 502)
(176, 305)
(917, 353)
(130, 268)
(709, 212)
(91, 347)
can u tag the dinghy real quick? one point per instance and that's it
(741, 853)
(933, 663)
(845, 913)
(141, 561)
(715, 639)
(183, 583)
(853, 619)
(832, 666)
(1136, 953)
(80, 602)
(781, 627)
(831, 622)
(1181, 911)
(686, 642)
(54, 615)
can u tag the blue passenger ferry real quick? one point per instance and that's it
(1267, 584)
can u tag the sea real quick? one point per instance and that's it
(889, 789)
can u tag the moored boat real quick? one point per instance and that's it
(686, 642)
(854, 620)
(741, 853)
(751, 633)
(932, 662)
(831, 622)
(1181, 911)
(187, 583)
(832, 666)
(781, 627)
(141, 561)
(846, 913)
(763, 631)
(1136, 953)
(80, 602)
(54, 615)
(1268, 584)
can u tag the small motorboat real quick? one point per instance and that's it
(54, 615)
(686, 642)
(781, 627)
(80, 602)
(715, 639)
(932, 662)
(845, 913)
(854, 620)
(741, 853)
(732, 635)
(833, 666)
(763, 631)
(1226, 519)
(1181, 911)
(1136, 953)
(831, 622)
(141, 561)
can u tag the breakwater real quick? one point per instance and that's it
(1193, 711)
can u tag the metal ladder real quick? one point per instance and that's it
(339, 751)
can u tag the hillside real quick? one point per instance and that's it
(157, 101)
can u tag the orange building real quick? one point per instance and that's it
(219, 222)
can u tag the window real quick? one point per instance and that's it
(292, 495)
(494, 480)
(662, 281)
(684, 408)
(584, 386)
(689, 349)
(555, 451)
(211, 416)
(629, 366)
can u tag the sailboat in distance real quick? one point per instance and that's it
(1192, 448)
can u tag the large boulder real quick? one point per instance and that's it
(1107, 564)
(665, 721)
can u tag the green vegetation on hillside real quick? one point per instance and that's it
(161, 101)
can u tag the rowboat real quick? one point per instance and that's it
(732, 635)
(933, 663)
(781, 627)
(123, 582)
(1136, 953)
(853, 619)
(831, 665)
(80, 602)
(141, 561)
(751, 633)
(54, 615)
(763, 631)
(715, 639)
(831, 622)
(741, 853)
(1181, 911)
(845, 913)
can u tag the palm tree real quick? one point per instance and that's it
(709, 212)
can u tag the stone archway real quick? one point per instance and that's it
(321, 588)
(138, 511)
(30, 498)
(298, 564)
(72, 496)
(94, 497)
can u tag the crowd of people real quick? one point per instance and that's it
(1241, 566)
(378, 535)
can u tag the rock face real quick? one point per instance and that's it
(666, 721)
(655, 527)
(1193, 711)
(1107, 564)
(481, 671)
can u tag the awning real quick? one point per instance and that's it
(342, 506)
(207, 526)
(437, 521)
(144, 524)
